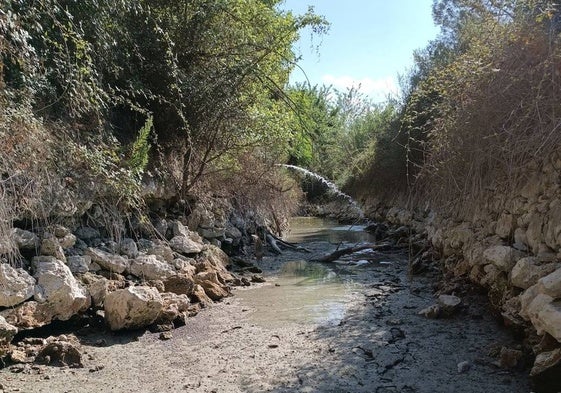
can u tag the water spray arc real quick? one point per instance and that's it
(331, 187)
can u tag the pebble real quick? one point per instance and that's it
(464, 367)
(166, 335)
(430, 312)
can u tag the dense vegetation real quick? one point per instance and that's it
(97, 95)
(105, 105)
(479, 107)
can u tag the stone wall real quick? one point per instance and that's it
(512, 247)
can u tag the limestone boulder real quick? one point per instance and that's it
(174, 306)
(129, 248)
(99, 287)
(552, 228)
(57, 287)
(547, 316)
(213, 259)
(7, 332)
(459, 236)
(107, 261)
(132, 307)
(180, 284)
(150, 268)
(199, 295)
(232, 232)
(526, 298)
(79, 264)
(520, 239)
(546, 370)
(528, 271)
(162, 251)
(502, 257)
(178, 229)
(213, 288)
(551, 284)
(185, 245)
(534, 233)
(67, 241)
(16, 285)
(25, 240)
(29, 315)
(87, 233)
(185, 266)
(51, 247)
(211, 233)
(505, 226)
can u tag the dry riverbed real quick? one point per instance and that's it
(309, 328)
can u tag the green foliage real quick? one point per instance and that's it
(188, 89)
(138, 158)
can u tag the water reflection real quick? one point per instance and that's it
(308, 229)
(302, 293)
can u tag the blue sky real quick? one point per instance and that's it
(369, 42)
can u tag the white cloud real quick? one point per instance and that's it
(377, 89)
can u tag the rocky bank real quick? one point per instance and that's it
(78, 274)
(512, 247)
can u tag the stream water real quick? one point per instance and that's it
(304, 292)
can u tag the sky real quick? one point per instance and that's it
(370, 42)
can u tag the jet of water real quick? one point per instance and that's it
(331, 187)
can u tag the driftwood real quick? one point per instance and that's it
(285, 244)
(273, 243)
(351, 250)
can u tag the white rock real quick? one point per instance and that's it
(503, 257)
(534, 235)
(57, 287)
(173, 306)
(528, 271)
(520, 239)
(185, 245)
(79, 264)
(108, 261)
(51, 247)
(7, 332)
(552, 228)
(150, 268)
(25, 240)
(101, 288)
(16, 285)
(162, 251)
(185, 266)
(547, 317)
(178, 229)
(526, 299)
(505, 226)
(132, 307)
(129, 248)
(448, 304)
(551, 284)
(67, 241)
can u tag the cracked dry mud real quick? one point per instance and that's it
(361, 334)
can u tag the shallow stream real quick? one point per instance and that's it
(304, 292)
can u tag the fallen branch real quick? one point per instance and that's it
(351, 250)
(285, 244)
(273, 243)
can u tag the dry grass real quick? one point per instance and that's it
(501, 117)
